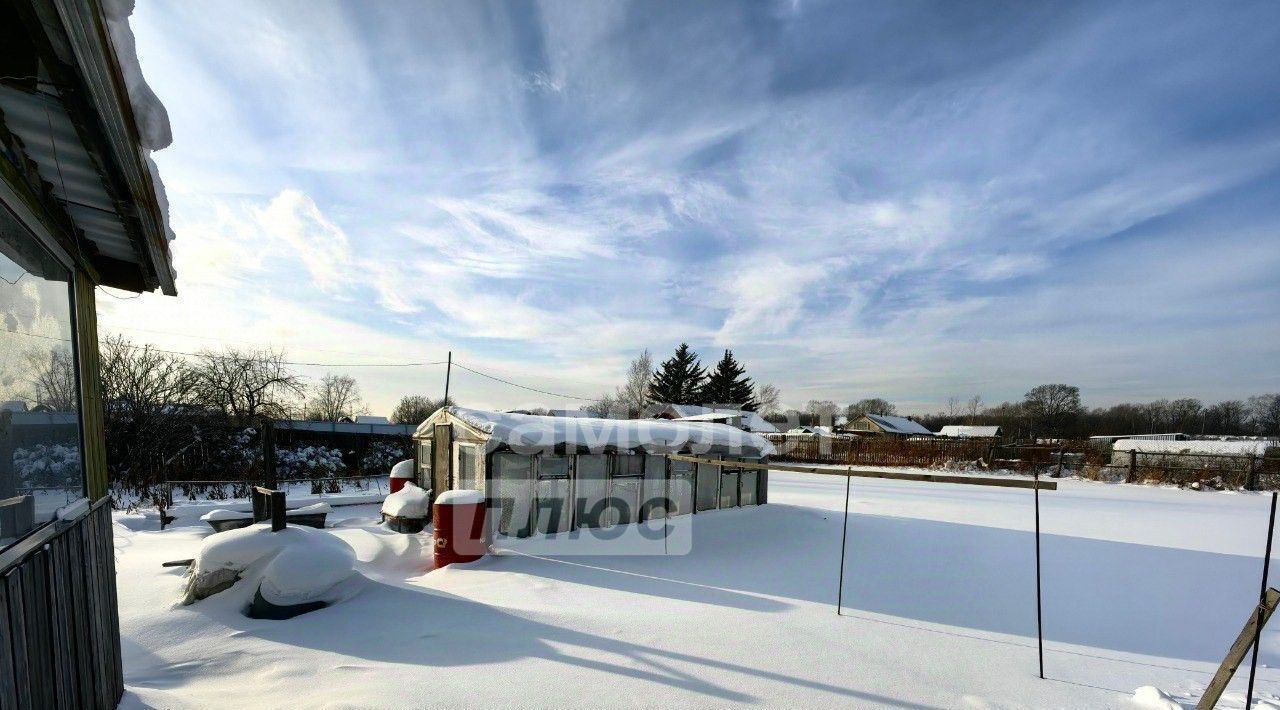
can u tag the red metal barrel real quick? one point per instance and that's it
(458, 517)
(401, 474)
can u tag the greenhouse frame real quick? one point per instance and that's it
(550, 475)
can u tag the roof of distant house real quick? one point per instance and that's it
(970, 431)
(898, 425)
(371, 419)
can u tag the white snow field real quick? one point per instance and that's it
(1142, 587)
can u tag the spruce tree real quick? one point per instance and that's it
(680, 379)
(729, 385)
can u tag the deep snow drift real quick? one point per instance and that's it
(1142, 587)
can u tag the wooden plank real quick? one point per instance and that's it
(998, 482)
(95, 570)
(8, 682)
(1235, 655)
(79, 622)
(18, 637)
(64, 658)
(39, 644)
(112, 609)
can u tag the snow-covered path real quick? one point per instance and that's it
(1143, 586)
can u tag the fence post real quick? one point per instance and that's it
(1251, 480)
(268, 454)
(277, 511)
(1133, 466)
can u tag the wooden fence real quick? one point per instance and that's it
(59, 625)
(878, 451)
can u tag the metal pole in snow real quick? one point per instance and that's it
(1262, 599)
(448, 370)
(1039, 612)
(844, 538)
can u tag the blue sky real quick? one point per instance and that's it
(907, 200)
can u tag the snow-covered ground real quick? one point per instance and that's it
(1142, 586)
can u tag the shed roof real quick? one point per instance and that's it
(898, 425)
(531, 433)
(970, 431)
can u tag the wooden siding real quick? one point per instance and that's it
(59, 625)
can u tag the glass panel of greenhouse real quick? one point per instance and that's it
(680, 488)
(653, 503)
(750, 486)
(512, 493)
(555, 499)
(593, 488)
(729, 487)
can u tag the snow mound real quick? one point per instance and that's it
(462, 497)
(223, 514)
(226, 556)
(404, 469)
(408, 502)
(307, 570)
(1150, 697)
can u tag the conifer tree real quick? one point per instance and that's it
(728, 384)
(679, 380)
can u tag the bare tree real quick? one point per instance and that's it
(634, 394)
(973, 408)
(1264, 414)
(246, 384)
(874, 405)
(768, 400)
(334, 397)
(54, 379)
(415, 408)
(823, 412)
(953, 407)
(1052, 407)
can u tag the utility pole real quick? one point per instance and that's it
(448, 370)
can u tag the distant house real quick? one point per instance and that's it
(811, 431)
(747, 421)
(886, 425)
(576, 413)
(1111, 439)
(371, 419)
(962, 431)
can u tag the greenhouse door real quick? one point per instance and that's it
(442, 451)
(708, 486)
(750, 480)
(554, 492)
(511, 493)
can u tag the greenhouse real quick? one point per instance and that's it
(548, 475)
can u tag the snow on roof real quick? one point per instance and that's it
(898, 425)
(754, 422)
(580, 413)
(976, 432)
(529, 433)
(814, 430)
(1165, 446)
(149, 114)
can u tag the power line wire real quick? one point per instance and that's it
(523, 387)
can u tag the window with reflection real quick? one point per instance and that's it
(40, 458)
